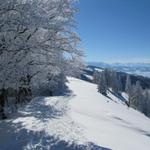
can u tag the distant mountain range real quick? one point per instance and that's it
(142, 69)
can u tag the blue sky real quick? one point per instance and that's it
(115, 30)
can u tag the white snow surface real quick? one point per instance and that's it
(88, 76)
(82, 120)
(108, 123)
(99, 70)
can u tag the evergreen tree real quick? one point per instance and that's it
(107, 73)
(145, 102)
(136, 97)
(102, 86)
(128, 84)
(148, 103)
(115, 83)
(96, 77)
(128, 88)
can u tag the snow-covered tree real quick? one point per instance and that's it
(146, 102)
(128, 88)
(115, 82)
(74, 66)
(136, 96)
(102, 86)
(96, 76)
(35, 36)
(108, 73)
(144, 108)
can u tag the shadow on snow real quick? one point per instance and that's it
(14, 136)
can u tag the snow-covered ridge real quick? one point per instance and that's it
(83, 120)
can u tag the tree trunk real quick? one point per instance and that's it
(2, 104)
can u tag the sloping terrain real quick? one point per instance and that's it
(107, 120)
(44, 124)
(82, 120)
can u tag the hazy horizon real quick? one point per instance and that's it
(120, 62)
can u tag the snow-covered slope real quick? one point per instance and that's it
(82, 120)
(108, 122)
(44, 124)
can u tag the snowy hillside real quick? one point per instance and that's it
(108, 122)
(82, 120)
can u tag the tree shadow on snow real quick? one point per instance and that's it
(134, 128)
(119, 96)
(14, 137)
(41, 111)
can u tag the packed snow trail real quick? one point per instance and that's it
(44, 124)
(82, 120)
(107, 121)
